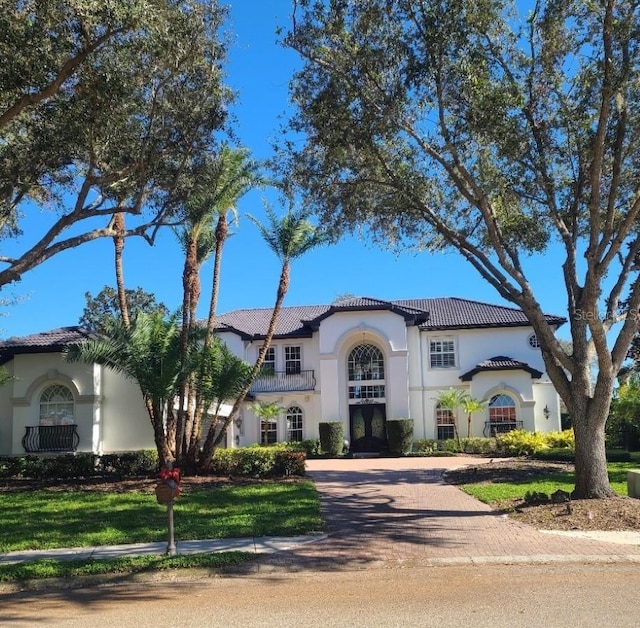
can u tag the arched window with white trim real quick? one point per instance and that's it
(503, 414)
(57, 405)
(365, 366)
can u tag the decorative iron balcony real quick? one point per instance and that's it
(281, 381)
(47, 438)
(491, 428)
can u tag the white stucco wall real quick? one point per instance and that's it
(6, 414)
(125, 422)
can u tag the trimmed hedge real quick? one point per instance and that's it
(80, 465)
(400, 436)
(331, 437)
(259, 462)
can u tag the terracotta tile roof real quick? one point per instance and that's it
(500, 363)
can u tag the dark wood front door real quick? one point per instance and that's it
(368, 424)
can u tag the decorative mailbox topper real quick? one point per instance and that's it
(168, 488)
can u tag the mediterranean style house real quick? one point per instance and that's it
(360, 361)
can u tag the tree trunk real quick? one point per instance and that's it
(222, 230)
(589, 416)
(212, 441)
(155, 416)
(118, 243)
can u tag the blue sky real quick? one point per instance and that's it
(52, 295)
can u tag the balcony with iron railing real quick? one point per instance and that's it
(491, 428)
(282, 381)
(51, 438)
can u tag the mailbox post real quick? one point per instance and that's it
(166, 492)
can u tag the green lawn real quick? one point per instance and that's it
(53, 519)
(546, 484)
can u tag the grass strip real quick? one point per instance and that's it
(42, 569)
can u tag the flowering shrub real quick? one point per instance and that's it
(521, 443)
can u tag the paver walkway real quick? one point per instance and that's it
(400, 511)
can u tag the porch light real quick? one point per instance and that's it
(546, 412)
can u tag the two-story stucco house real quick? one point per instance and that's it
(360, 361)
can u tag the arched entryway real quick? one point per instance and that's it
(367, 399)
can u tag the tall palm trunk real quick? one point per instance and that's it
(190, 292)
(222, 231)
(196, 405)
(118, 243)
(215, 436)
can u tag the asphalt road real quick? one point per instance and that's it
(542, 596)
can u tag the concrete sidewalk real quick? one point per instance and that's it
(261, 545)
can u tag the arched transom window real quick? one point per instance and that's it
(56, 405)
(294, 424)
(365, 366)
(503, 415)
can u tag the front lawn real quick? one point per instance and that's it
(51, 519)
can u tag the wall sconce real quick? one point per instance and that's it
(238, 422)
(546, 412)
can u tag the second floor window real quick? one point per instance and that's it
(292, 360)
(442, 353)
(269, 364)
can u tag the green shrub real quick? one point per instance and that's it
(450, 445)
(478, 445)
(560, 440)
(521, 443)
(288, 463)
(331, 437)
(259, 462)
(425, 445)
(310, 446)
(400, 436)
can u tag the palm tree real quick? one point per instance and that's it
(221, 181)
(266, 412)
(148, 351)
(451, 400)
(289, 238)
(232, 174)
(471, 406)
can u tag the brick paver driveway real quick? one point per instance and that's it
(385, 512)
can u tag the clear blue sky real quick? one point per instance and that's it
(52, 295)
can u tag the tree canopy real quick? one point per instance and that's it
(101, 310)
(105, 108)
(496, 132)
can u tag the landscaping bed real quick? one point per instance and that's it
(617, 513)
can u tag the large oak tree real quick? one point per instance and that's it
(104, 108)
(496, 132)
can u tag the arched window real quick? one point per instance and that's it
(444, 422)
(502, 414)
(56, 405)
(365, 366)
(294, 424)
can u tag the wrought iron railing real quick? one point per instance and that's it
(491, 428)
(44, 438)
(281, 381)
